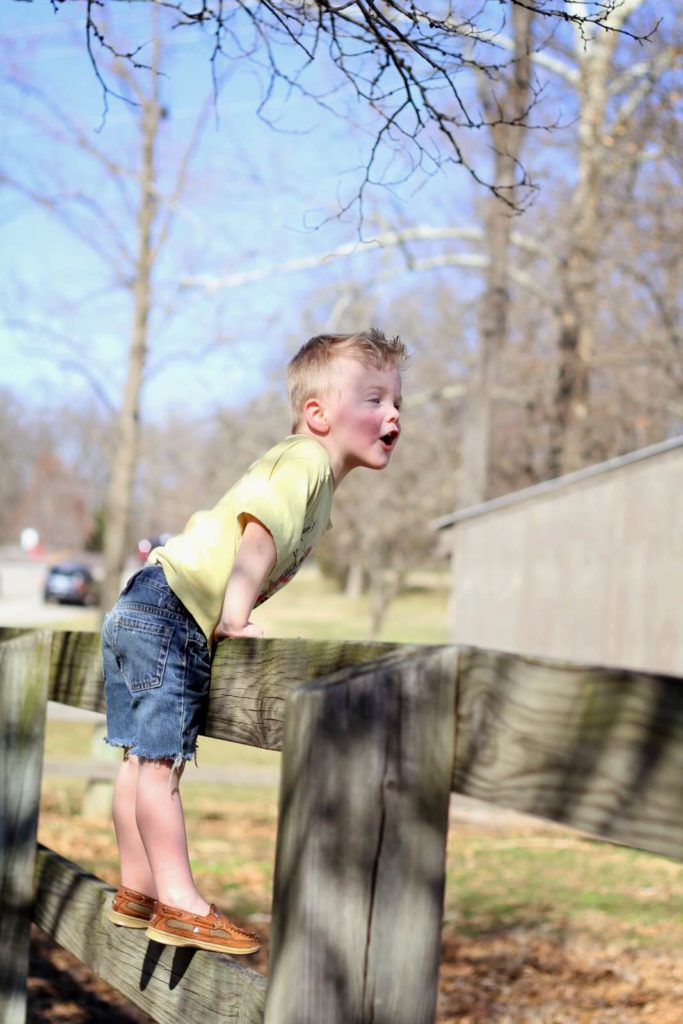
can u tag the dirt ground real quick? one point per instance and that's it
(512, 979)
(591, 966)
(529, 979)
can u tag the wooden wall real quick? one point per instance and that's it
(590, 571)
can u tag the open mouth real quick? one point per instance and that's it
(389, 439)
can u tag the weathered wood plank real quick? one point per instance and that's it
(251, 679)
(76, 670)
(358, 897)
(11, 632)
(171, 985)
(23, 701)
(597, 749)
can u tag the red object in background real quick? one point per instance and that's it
(147, 544)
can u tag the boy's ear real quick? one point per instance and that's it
(315, 416)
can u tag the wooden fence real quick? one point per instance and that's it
(375, 738)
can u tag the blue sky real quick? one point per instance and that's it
(257, 197)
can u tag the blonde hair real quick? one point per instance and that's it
(310, 373)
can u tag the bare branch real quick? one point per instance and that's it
(71, 133)
(400, 58)
(647, 77)
(540, 58)
(73, 363)
(382, 240)
(60, 206)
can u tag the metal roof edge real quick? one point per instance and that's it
(557, 483)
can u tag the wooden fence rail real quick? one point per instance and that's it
(374, 739)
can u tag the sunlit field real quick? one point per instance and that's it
(312, 607)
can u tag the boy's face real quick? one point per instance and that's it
(362, 414)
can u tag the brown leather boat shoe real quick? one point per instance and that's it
(212, 931)
(131, 909)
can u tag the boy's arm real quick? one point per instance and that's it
(254, 560)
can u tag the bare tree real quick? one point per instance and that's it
(611, 80)
(511, 101)
(53, 474)
(126, 452)
(20, 440)
(639, 323)
(608, 98)
(125, 217)
(406, 63)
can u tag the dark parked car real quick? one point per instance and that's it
(71, 583)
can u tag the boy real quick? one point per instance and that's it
(157, 642)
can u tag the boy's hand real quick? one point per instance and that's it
(250, 630)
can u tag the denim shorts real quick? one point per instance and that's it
(157, 671)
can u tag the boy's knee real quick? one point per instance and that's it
(162, 768)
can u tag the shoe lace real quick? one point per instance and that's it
(235, 929)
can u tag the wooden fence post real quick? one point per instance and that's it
(359, 875)
(24, 670)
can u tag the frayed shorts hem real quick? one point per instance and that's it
(132, 749)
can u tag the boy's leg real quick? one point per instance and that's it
(135, 870)
(161, 824)
(157, 668)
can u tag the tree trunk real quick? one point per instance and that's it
(493, 327)
(580, 268)
(353, 588)
(494, 306)
(576, 338)
(385, 585)
(128, 427)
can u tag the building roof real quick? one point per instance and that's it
(557, 484)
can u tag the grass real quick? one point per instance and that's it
(549, 878)
(311, 606)
(87, 622)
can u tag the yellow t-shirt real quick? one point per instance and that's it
(289, 490)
